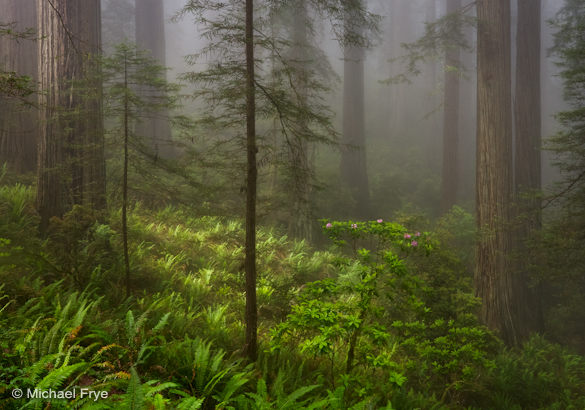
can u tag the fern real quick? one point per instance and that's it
(190, 403)
(56, 377)
(135, 397)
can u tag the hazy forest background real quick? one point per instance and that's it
(292, 204)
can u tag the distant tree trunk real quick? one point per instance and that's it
(401, 31)
(494, 283)
(354, 171)
(125, 179)
(467, 121)
(18, 124)
(300, 225)
(71, 168)
(431, 101)
(150, 36)
(450, 173)
(527, 153)
(251, 148)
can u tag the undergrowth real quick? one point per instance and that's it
(385, 318)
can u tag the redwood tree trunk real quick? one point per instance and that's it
(450, 173)
(354, 171)
(494, 283)
(300, 225)
(250, 257)
(150, 36)
(71, 167)
(527, 153)
(18, 124)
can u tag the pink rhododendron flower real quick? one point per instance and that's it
(329, 225)
(353, 226)
(417, 234)
(414, 243)
(380, 221)
(407, 236)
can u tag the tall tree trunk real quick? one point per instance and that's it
(527, 153)
(300, 224)
(450, 170)
(430, 104)
(494, 283)
(18, 123)
(71, 168)
(150, 36)
(125, 178)
(353, 156)
(93, 143)
(468, 120)
(251, 148)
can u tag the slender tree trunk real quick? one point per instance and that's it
(467, 121)
(150, 36)
(18, 124)
(494, 283)
(527, 153)
(353, 157)
(430, 104)
(450, 173)
(250, 257)
(71, 168)
(125, 180)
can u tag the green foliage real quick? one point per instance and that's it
(371, 322)
(205, 373)
(569, 144)
(558, 256)
(13, 84)
(440, 36)
(376, 322)
(80, 245)
(541, 375)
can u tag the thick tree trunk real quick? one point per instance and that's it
(527, 153)
(251, 148)
(93, 149)
(150, 36)
(354, 171)
(450, 170)
(71, 168)
(494, 283)
(18, 123)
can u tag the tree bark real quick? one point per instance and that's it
(71, 166)
(125, 178)
(251, 148)
(300, 225)
(494, 283)
(450, 169)
(18, 123)
(354, 171)
(527, 162)
(150, 36)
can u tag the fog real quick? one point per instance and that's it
(333, 204)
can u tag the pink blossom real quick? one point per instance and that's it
(380, 221)
(353, 226)
(407, 236)
(414, 243)
(329, 225)
(417, 234)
